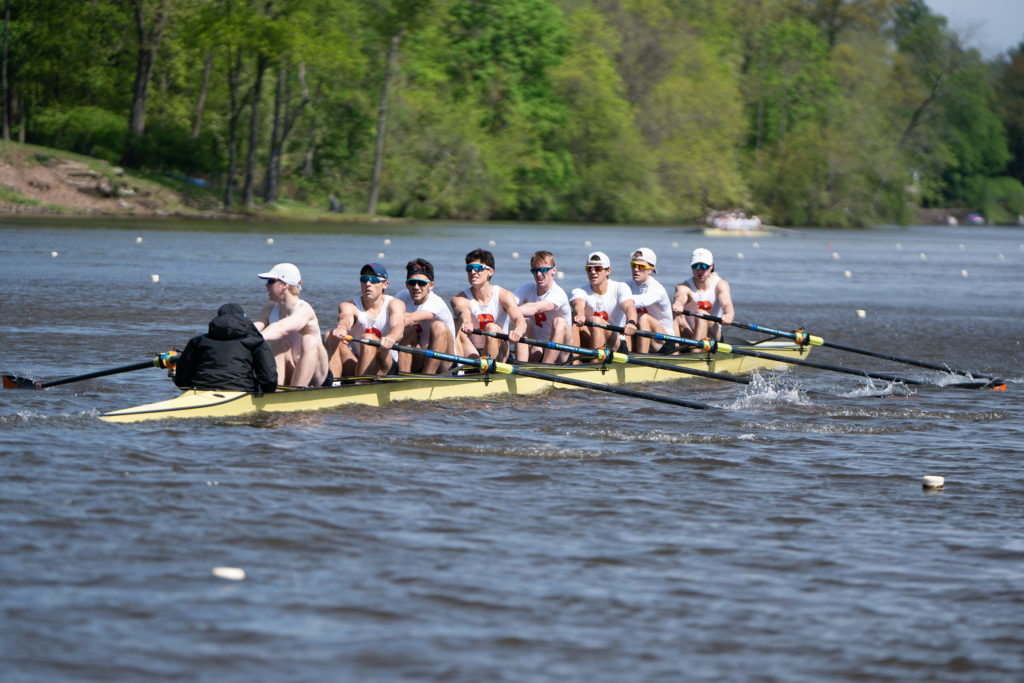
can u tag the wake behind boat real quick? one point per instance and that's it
(383, 390)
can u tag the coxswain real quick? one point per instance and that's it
(231, 356)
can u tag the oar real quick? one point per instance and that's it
(489, 365)
(606, 354)
(162, 360)
(801, 337)
(711, 346)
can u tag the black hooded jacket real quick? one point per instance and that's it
(232, 356)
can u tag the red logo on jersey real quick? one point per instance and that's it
(641, 310)
(539, 318)
(484, 318)
(601, 314)
(374, 330)
(704, 305)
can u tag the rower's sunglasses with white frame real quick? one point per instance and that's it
(373, 279)
(700, 266)
(476, 267)
(594, 269)
(543, 270)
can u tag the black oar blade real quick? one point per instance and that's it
(17, 382)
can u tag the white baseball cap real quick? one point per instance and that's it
(287, 273)
(645, 254)
(702, 256)
(599, 258)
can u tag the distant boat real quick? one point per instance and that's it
(975, 219)
(733, 224)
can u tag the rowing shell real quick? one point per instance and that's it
(380, 391)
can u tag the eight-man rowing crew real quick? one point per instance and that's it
(283, 345)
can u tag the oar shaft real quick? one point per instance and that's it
(155, 363)
(488, 365)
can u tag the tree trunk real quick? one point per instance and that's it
(307, 161)
(149, 42)
(249, 190)
(201, 103)
(283, 124)
(378, 151)
(234, 76)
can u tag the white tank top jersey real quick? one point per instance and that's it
(651, 298)
(707, 299)
(378, 325)
(541, 322)
(490, 312)
(435, 305)
(609, 304)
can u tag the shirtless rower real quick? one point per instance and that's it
(373, 315)
(604, 301)
(487, 307)
(429, 323)
(290, 326)
(653, 307)
(705, 292)
(546, 308)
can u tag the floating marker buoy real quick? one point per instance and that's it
(381, 255)
(756, 245)
(587, 245)
(515, 254)
(492, 243)
(848, 274)
(270, 240)
(138, 240)
(899, 246)
(861, 313)
(560, 275)
(53, 254)
(962, 247)
(740, 256)
(963, 273)
(835, 255)
(387, 243)
(924, 257)
(229, 573)
(675, 245)
(1002, 257)
(933, 481)
(154, 277)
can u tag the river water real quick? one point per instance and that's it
(568, 536)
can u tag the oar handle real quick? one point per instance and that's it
(600, 354)
(799, 336)
(706, 345)
(483, 364)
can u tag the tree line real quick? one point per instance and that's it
(809, 112)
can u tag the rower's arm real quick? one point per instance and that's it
(682, 298)
(515, 316)
(724, 296)
(417, 317)
(346, 319)
(463, 314)
(630, 310)
(535, 307)
(579, 311)
(396, 316)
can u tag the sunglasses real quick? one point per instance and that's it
(640, 266)
(476, 267)
(421, 283)
(700, 266)
(543, 270)
(273, 280)
(371, 279)
(594, 269)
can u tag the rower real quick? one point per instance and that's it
(374, 315)
(232, 356)
(429, 323)
(604, 301)
(704, 292)
(290, 326)
(546, 308)
(487, 307)
(653, 307)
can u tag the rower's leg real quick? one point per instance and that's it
(440, 341)
(410, 338)
(340, 359)
(308, 364)
(559, 335)
(598, 335)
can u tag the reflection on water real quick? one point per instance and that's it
(563, 536)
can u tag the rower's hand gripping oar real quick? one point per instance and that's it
(490, 365)
(801, 337)
(712, 346)
(162, 360)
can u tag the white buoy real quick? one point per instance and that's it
(924, 257)
(1002, 257)
(847, 274)
(138, 240)
(381, 255)
(492, 243)
(933, 481)
(53, 254)
(835, 255)
(560, 275)
(899, 246)
(962, 247)
(740, 256)
(515, 254)
(270, 240)
(861, 313)
(154, 277)
(756, 245)
(387, 243)
(229, 573)
(675, 245)
(587, 245)
(963, 273)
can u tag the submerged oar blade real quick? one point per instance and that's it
(17, 382)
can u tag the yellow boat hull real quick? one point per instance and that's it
(379, 392)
